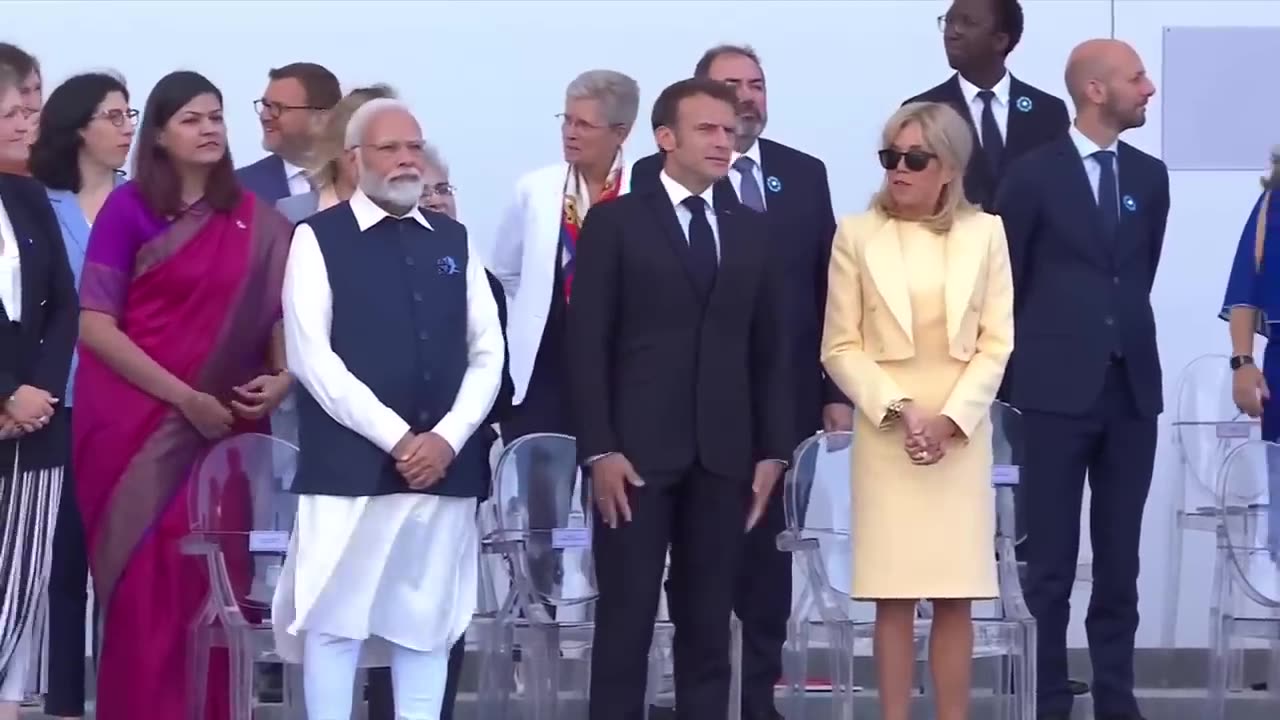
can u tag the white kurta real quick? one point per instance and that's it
(393, 568)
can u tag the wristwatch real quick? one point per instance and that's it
(1239, 361)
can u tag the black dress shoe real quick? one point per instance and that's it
(1078, 687)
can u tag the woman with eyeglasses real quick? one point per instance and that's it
(38, 314)
(85, 132)
(918, 329)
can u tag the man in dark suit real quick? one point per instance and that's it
(681, 397)
(790, 188)
(1085, 217)
(292, 110)
(1008, 116)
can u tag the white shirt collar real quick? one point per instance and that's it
(1085, 146)
(679, 193)
(290, 170)
(752, 152)
(369, 214)
(1001, 90)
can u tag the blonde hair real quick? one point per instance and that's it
(1271, 180)
(946, 135)
(332, 143)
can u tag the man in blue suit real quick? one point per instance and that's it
(790, 189)
(1085, 217)
(292, 111)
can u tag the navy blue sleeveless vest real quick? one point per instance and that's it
(400, 325)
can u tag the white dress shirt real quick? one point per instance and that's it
(735, 176)
(297, 178)
(10, 268)
(678, 194)
(396, 568)
(999, 105)
(1087, 148)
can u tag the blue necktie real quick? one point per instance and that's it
(1108, 200)
(750, 191)
(702, 244)
(992, 142)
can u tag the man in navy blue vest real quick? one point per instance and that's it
(1085, 217)
(392, 330)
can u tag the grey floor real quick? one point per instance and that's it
(1171, 686)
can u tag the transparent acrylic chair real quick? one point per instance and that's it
(817, 489)
(241, 517)
(1206, 426)
(1246, 582)
(543, 534)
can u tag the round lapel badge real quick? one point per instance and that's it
(1129, 203)
(1024, 104)
(775, 185)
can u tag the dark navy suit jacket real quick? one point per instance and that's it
(801, 226)
(265, 178)
(1077, 292)
(1035, 118)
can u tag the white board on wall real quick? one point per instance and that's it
(1219, 109)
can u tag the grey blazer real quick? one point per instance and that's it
(299, 207)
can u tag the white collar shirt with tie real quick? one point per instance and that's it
(678, 194)
(999, 105)
(1087, 149)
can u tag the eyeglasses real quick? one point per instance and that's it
(959, 22)
(916, 160)
(442, 189)
(569, 121)
(275, 109)
(118, 117)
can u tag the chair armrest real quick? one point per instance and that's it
(1011, 599)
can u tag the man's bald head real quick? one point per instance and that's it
(1106, 76)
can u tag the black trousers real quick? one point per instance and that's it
(762, 601)
(68, 600)
(701, 517)
(381, 700)
(1115, 446)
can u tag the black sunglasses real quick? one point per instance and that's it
(916, 160)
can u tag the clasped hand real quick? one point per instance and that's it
(926, 437)
(28, 410)
(422, 459)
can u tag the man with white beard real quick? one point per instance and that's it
(393, 333)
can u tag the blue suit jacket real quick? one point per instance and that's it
(1073, 284)
(265, 178)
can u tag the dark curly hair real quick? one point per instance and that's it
(67, 111)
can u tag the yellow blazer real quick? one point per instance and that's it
(868, 318)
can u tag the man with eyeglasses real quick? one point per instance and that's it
(1008, 116)
(292, 111)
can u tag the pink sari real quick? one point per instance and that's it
(199, 295)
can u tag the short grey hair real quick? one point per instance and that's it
(1272, 179)
(618, 94)
(703, 68)
(432, 157)
(365, 114)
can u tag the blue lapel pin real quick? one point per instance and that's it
(1129, 203)
(775, 185)
(1023, 104)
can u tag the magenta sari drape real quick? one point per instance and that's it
(199, 295)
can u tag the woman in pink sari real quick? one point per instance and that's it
(180, 304)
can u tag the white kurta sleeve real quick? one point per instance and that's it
(485, 348)
(308, 316)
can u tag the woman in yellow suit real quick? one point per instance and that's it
(919, 327)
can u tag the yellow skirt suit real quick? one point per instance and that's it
(914, 314)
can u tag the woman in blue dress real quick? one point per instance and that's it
(1252, 306)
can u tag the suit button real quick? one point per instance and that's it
(417, 297)
(424, 417)
(426, 375)
(423, 335)
(1110, 321)
(408, 261)
(1115, 280)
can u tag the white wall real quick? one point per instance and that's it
(487, 77)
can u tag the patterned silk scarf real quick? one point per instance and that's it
(576, 204)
